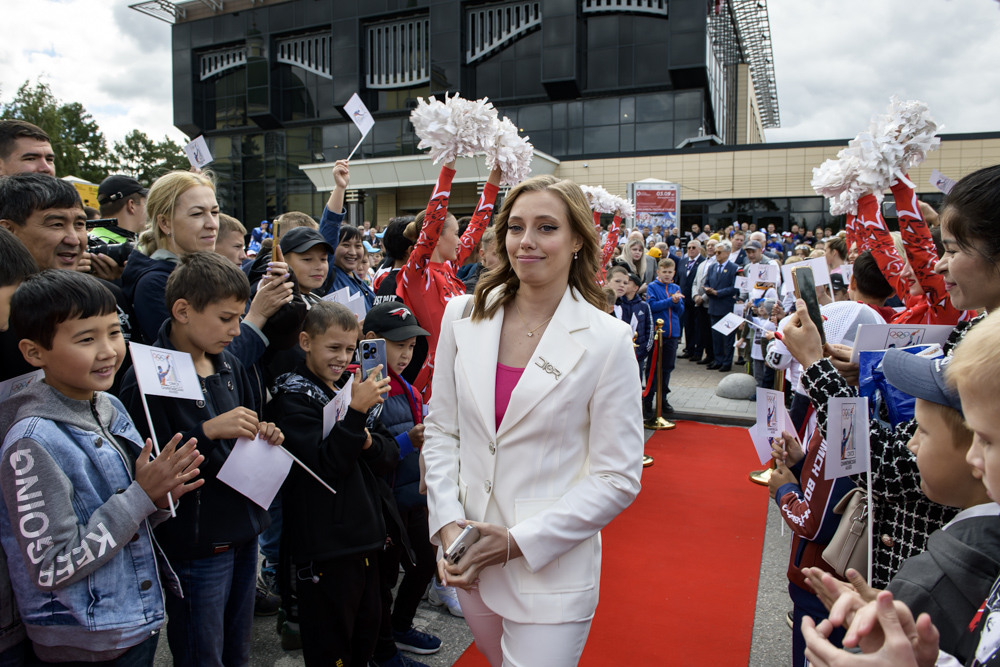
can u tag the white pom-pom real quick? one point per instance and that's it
(895, 141)
(603, 201)
(454, 128)
(507, 151)
(624, 208)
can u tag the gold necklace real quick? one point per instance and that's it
(531, 332)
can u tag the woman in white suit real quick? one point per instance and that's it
(534, 433)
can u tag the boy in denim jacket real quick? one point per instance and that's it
(79, 490)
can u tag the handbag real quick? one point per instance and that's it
(849, 546)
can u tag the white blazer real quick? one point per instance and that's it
(564, 462)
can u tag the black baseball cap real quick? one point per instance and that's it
(837, 282)
(394, 321)
(118, 186)
(920, 377)
(301, 239)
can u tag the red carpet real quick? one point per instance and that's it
(679, 577)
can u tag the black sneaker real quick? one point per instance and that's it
(268, 577)
(265, 603)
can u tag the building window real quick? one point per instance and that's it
(658, 7)
(493, 27)
(216, 62)
(226, 100)
(399, 53)
(310, 52)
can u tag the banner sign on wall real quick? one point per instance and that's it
(656, 203)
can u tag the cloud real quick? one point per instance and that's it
(838, 61)
(112, 59)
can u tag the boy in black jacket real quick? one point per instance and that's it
(333, 540)
(212, 544)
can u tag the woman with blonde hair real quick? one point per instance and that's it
(539, 386)
(637, 261)
(183, 216)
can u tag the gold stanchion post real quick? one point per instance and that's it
(659, 423)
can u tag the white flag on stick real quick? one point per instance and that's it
(163, 372)
(358, 112)
(12, 386)
(256, 469)
(846, 437)
(197, 153)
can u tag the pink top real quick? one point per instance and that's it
(507, 378)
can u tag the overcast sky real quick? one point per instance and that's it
(836, 62)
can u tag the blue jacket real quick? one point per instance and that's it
(75, 526)
(663, 307)
(644, 331)
(723, 280)
(397, 418)
(145, 281)
(329, 227)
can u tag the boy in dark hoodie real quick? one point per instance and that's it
(212, 543)
(334, 541)
(636, 312)
(402, 417)
(79, 491)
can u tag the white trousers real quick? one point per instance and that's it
(509, 644)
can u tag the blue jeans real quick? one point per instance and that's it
(140, 655)
(270, 539)
(211, 625)
(805, 603)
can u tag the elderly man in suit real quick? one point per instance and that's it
(720, 286)
(687, 269)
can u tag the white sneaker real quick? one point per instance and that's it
(438, 595)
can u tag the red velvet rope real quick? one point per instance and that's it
(650, 381)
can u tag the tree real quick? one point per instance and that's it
(143, 159)
(80, 147)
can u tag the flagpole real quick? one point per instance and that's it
(871, 524)
(356, 148)
(149, 422)
(152, 438)
(306, 468)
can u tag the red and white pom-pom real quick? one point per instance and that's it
(454, 128)
(508, 151)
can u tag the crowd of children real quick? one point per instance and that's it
(104, 539)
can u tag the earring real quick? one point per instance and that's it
(575, 256)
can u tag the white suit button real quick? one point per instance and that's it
(488, 486)
(493, 448)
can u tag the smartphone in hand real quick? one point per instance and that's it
(465, 539)
(805, 289)
(373, 354)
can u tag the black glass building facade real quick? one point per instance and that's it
(582, 78)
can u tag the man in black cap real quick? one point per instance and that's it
(123, 198)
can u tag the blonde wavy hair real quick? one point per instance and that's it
(583, 270)
(161, 202)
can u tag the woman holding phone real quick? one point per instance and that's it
(539, 386)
